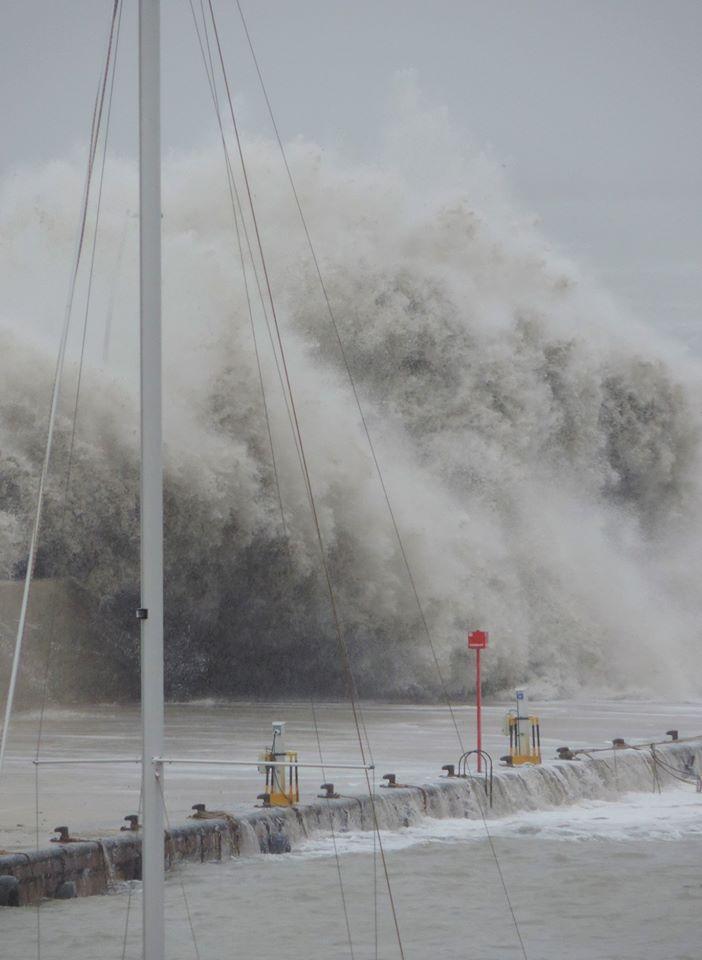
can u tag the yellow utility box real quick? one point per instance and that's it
(280, 768)
(524, 734)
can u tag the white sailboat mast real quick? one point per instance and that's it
(152, 697)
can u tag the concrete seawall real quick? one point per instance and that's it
(84, 868)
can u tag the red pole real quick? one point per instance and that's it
(478, 707)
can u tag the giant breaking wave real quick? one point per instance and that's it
(540, 448)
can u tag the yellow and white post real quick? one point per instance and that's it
(524, 733)
(280, 768)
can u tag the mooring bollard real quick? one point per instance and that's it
(9, 891)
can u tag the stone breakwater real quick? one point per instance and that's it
(83, 868)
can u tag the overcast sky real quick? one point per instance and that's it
(593, 106)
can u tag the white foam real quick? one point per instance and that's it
(670, 815)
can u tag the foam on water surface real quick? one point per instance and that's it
(672, 815)
(615, 879)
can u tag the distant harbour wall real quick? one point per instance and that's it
(57, 608)
(85, 868)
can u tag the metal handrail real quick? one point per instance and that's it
(41, 761)
(265, 763)
(464, 771)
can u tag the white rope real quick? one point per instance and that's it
(37, 517)
(58, 376)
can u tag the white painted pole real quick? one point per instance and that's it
(151, 477)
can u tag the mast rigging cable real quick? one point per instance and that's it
(371, 445)
(107, 78)
(347, 367)
(239, 219)
(238, 216)
(343, 649)
(56, 389)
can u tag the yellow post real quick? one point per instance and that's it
(524, 745)
(282, 784)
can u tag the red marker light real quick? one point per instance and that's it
(477, 640)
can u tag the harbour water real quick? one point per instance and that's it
(600, 879)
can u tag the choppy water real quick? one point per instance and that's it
(592, 881)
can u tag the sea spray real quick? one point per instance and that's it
(540, 448)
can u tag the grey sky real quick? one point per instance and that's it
(592, 105)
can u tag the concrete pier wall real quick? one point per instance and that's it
(85, 868)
